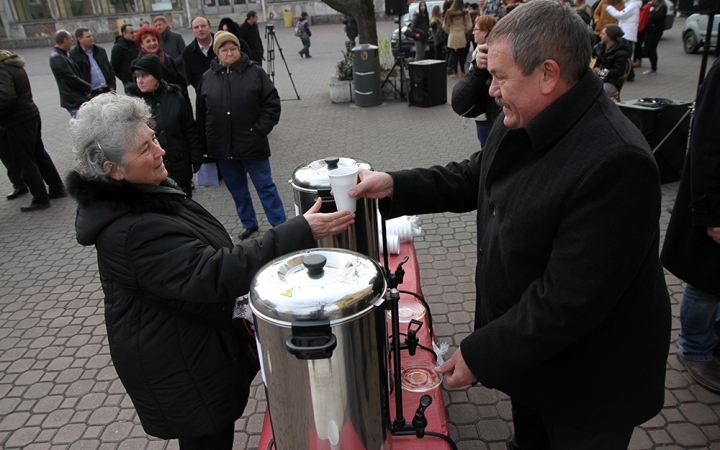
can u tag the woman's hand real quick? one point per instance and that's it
(330, 224)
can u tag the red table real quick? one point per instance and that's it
(435, 413)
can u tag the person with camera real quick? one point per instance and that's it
(612, 55)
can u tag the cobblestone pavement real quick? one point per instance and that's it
(58, 387)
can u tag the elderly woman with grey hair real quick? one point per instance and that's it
(171, 277)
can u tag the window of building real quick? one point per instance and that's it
(31, 10)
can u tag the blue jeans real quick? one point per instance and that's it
(235, 174)
(306, 46)
(482, 131)
(699, 324)
(72, 111)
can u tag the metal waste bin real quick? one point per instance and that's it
(366, 75)
(287, 16)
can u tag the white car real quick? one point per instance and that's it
(694, 31)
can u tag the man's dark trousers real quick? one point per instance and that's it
(535, 431)
(23, 143)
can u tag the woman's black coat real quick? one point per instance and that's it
(155, 247)
(421, 24)
(237, 107)
(689, 252)
(170, 72)
(615, 60)
(175, 129)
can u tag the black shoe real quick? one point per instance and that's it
(247, 232)
(705, 373)
(35, 206)
(57, 193)
(308, 56)
(302, 55)
(17, 192)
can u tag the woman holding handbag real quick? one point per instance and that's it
(420, 26)
(457, 23)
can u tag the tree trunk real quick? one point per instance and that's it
(364, 13)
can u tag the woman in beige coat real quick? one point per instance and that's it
(457, 24)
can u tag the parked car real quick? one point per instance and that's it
(694, 32)
(408, 46)
(670, 18)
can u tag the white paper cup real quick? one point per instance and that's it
(341, 181)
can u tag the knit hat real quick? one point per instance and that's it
(614, 32)
(151, 64)
(222, 37)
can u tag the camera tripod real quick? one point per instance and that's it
(272, 41)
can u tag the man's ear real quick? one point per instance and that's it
(550, 76)
(116, 172)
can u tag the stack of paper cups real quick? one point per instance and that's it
(393, 245)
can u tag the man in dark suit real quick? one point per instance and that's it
(21, 134)
(572, 314)
(73, 89)
(692, 243)
(250, 33)
(123, 53)
(198, 54)
(93, 62)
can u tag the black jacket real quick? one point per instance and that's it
(175, 129)
(471, 95)
(251, 34)
(421, 24)
(689, 253)
(170, 72)
(123, 53)
(351, 29)
(237, 107)
(83, 62)
(656, 23)
(614, 60)
(155, 247)
(195, 62)
(568, 281)
(16, 101)
(71, 86)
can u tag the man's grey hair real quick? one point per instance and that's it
(160, 18)
(104, 129)
(61, 35)
(545, 29)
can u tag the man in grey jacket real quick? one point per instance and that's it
(171, 43)
(572, 314)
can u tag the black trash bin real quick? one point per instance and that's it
(366, 75)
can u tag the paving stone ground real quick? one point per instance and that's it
(58, 387)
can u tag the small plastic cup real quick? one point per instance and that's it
(341, 181)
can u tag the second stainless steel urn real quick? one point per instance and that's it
(322, 339)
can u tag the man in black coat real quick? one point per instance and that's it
(171, 43)
(692, 243)
(73, 89)
(123, 53)
(20, 134)
(250, 33)
(572, 315)
(93, 62)
(198, 54)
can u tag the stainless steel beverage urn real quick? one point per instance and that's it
(310, 181)
(320, 326)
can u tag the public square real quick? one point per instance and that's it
(58, 387)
